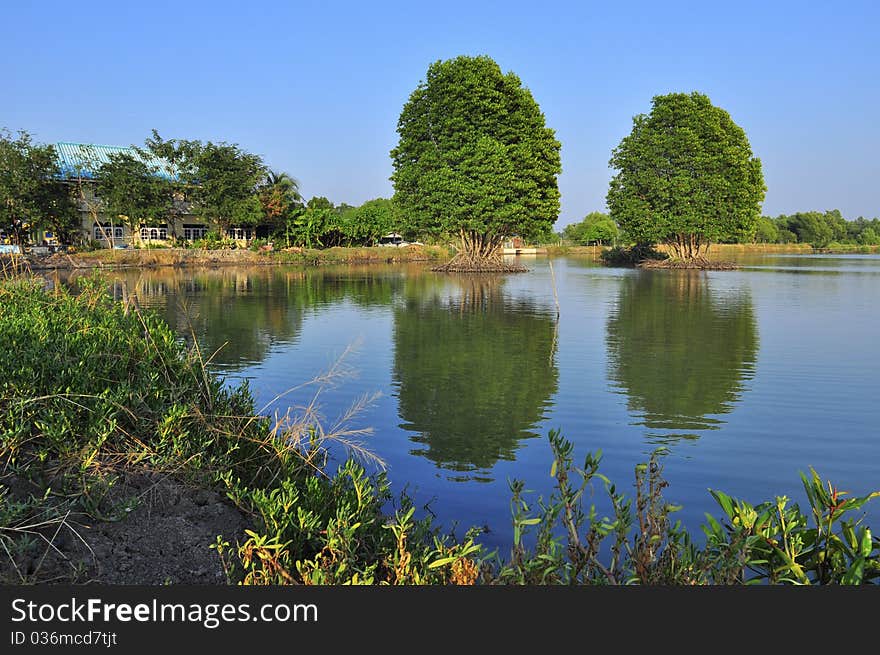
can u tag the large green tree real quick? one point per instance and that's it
(134, 191)
(372, 220)
(222, 181)
(686, 177)
(475, 160)
(227, 179)
(32, 197)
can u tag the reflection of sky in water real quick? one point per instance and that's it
(806, 396)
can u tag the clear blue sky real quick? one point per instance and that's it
(316, 87)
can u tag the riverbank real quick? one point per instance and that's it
(108, 259)
(188, 257)
(716, 250)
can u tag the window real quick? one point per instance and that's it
(154, 233)
(240, 233)
(193, 232)
(103, 231)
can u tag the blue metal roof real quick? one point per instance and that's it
(84, 159)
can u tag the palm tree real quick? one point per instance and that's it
(280, 198)
(284, 186)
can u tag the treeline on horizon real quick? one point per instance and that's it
(226, 186)
(818, 229)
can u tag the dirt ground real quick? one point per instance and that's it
(162, 538)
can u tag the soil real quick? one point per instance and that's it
(164, 539)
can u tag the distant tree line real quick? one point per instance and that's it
(818, 229)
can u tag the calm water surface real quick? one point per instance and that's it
(747, 376)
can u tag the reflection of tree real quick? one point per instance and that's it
(474, 369)
(235, 314)
(238, 313)
(680, 350)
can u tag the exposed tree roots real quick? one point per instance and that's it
(465, 262)
(479, 253)
(698, 262)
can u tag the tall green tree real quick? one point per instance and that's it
(372, 220)
(596, 228)
(226, 183)
(31, 195)
(475, 160)
(133, 191)
(179, 158)
(221, 181)
(686, 177)
(279, 197)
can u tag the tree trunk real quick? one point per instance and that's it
(479, 253)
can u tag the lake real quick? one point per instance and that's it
(747, 377)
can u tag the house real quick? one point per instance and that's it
(79, 164)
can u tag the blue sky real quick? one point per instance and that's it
(316, 87)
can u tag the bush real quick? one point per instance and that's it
(631, 256)
(213, 241)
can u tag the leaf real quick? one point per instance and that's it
(855, 573)
(714, 525)
(553, 469)
(724, 500)
(866, 545)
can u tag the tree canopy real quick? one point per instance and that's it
(222, 180)
(131, 189)
(31, 194)
(475, 160)
(596, 228)
(226, 181)
(686, 176)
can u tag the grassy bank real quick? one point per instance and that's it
(155, 257)
(100, 404)
(716, 250)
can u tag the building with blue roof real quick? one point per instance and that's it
(79, 164)
(82, 160)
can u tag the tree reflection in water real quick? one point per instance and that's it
(474, 370)
(681, 351)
